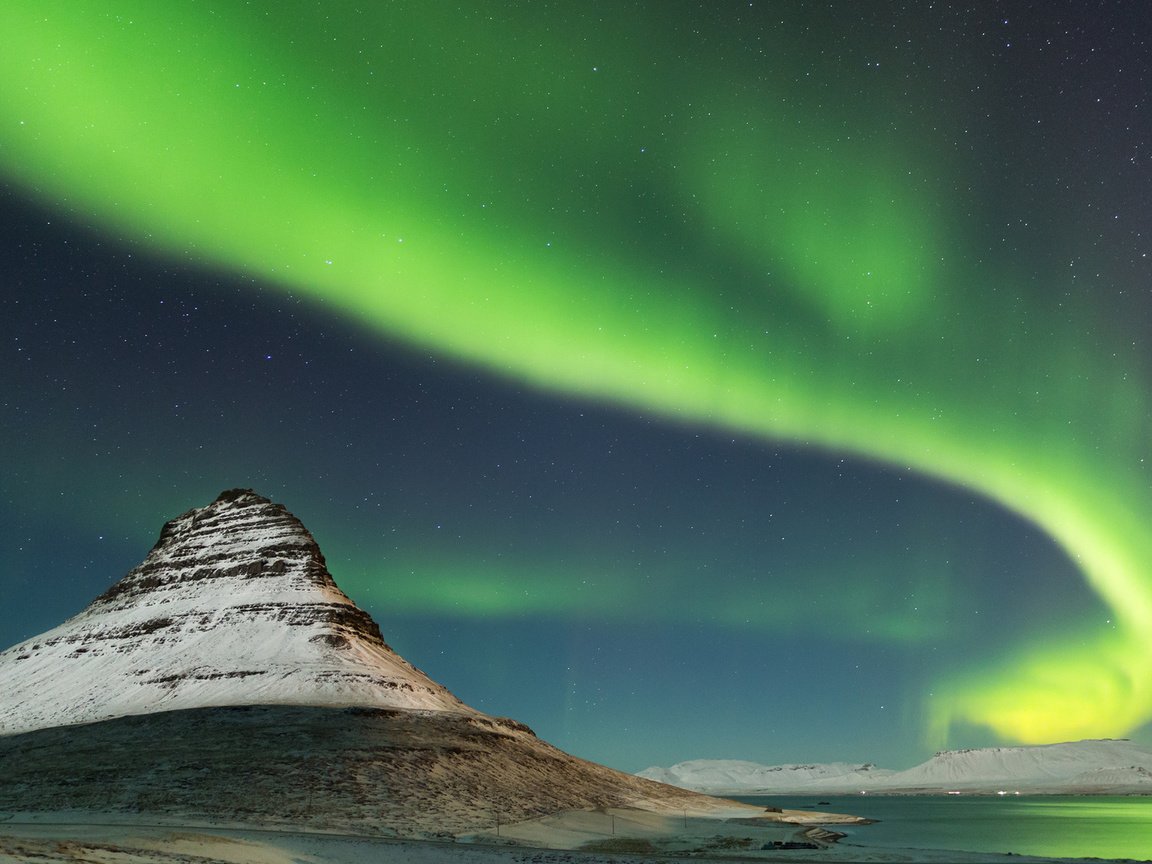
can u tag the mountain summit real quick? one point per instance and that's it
(234, 605)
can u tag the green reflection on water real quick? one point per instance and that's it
(1083, 827)
(1055, 826)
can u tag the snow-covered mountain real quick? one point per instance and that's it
(233, 606)
(728, 775)
(228, 679)
(1097, 766)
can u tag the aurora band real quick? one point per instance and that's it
(805, 289)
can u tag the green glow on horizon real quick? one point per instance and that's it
(818, 603)
(453, 218)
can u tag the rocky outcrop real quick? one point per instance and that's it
(234, 605)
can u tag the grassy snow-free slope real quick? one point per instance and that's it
(388, 772)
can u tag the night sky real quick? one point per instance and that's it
(762, 380)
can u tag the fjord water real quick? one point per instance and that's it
(1049, 825)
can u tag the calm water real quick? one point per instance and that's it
(1072, 827)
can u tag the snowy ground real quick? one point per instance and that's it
(577, 837)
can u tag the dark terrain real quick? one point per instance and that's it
(369, 771)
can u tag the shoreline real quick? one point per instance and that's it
(586, 836)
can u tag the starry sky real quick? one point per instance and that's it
(761, 380)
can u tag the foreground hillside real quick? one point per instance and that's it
(364, 770)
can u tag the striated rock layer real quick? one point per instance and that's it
(233, 606)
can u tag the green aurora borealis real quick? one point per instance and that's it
(728, 218)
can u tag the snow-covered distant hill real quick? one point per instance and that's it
(729, 775)
(1080, 767)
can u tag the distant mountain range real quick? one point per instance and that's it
(1079, 767)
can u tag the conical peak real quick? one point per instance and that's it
(240, 535)
(234, 605)
(238, 494)
(243, 545)
(228, 500)
(241, 512)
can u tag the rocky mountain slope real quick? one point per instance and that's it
(1081, 767)
(380, 771)
(233, 605)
